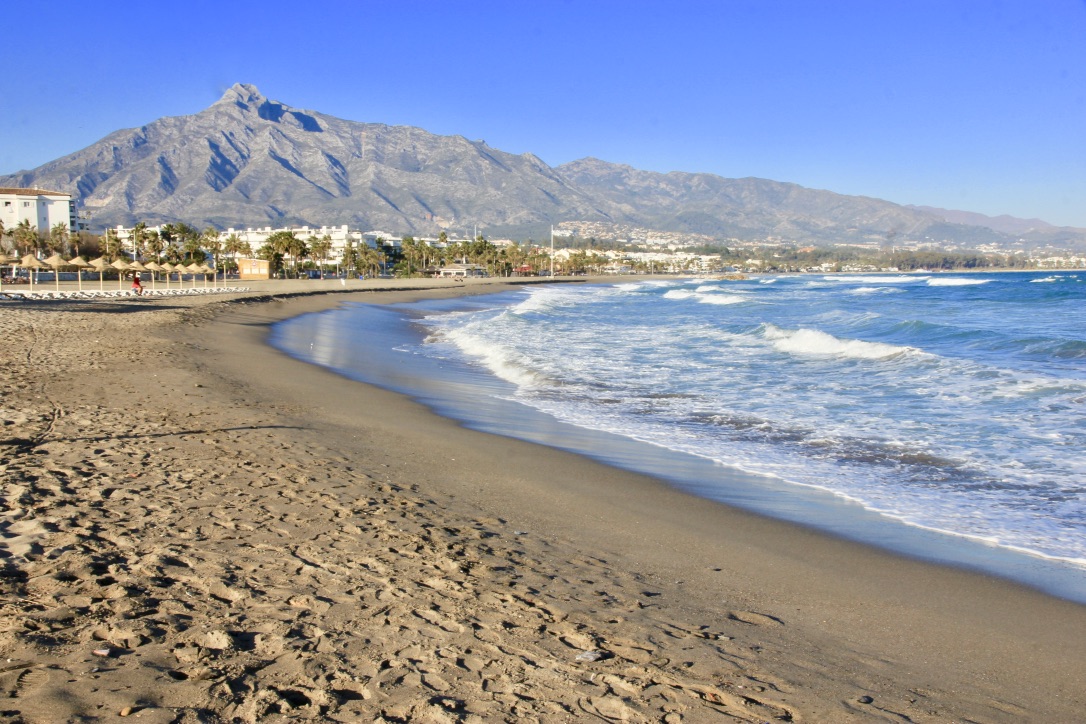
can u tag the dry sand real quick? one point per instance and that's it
(194, 527)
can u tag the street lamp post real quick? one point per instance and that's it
(552, 251)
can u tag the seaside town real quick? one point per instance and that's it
(41, 230)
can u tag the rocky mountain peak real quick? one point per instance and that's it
(244, 96)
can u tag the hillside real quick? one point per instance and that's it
(250, 161)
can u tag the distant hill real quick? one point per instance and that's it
(250, 161)
(1005, 224)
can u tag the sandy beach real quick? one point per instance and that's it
(195, 527)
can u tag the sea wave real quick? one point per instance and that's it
(504, 363)
(722, 299)
(877, 279)
(813, 342)
(956, 282)
(874, 290)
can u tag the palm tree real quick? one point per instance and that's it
(350, 258)
(192, 248)
(58, 237)
(139, 234)
(155, 244)
(284, 243)
(373, 259)
(235, 246)
(25, 236)
(298, 249)
(213, 243)
(110, 244)
(320, 248)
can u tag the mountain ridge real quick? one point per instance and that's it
(248, 160)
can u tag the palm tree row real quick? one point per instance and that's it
(181, 243)
(418, 257)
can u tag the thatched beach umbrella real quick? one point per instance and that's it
(5, 259)
(100, 264)
(120, 265)
(56, 261)
(195, 269)
(80, 263)
(168, 268)
(154, 266)
(31, 262)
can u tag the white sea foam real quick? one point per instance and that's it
(956, 282)
(874, 290)
(501, 361)
(680, 294)
(875, 279)
(816, 343)
(722, 299)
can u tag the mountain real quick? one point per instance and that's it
(248, 160)
(251, 161)
(1003, 223)
(740, 208)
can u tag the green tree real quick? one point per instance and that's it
(235, 247)
(192, 249)
(269, 253)
(411, 250)
(155, 244)
(58, 237)
(284, 243)
(212, 242)
(110, 245)
(297, 249)
(320, 248)
(25, 236)
(139, 237)
(351, 259)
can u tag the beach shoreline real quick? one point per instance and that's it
(273, 519)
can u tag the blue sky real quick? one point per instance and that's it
(979, 106)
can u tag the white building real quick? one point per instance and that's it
(256, 238)
(43, 209)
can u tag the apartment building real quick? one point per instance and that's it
(43, 209)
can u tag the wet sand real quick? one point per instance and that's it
(195, 527)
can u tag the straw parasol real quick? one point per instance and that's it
(81, 264)
(5, 259)
(56, 261)
(168, 268)
(120, 265)
(100, 264)
(195, 269)
(154, 266)
(31, 262)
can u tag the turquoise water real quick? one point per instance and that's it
(940, 415)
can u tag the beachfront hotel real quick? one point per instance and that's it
(43, 209)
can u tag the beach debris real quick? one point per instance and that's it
(102, 652)
(590, 656)
(865, 700)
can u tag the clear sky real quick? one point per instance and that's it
(973, 105)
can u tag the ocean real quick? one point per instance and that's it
(942, 416)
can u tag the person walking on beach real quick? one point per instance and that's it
(136, 286)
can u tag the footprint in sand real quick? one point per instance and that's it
(754, 618)
(30, 681)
